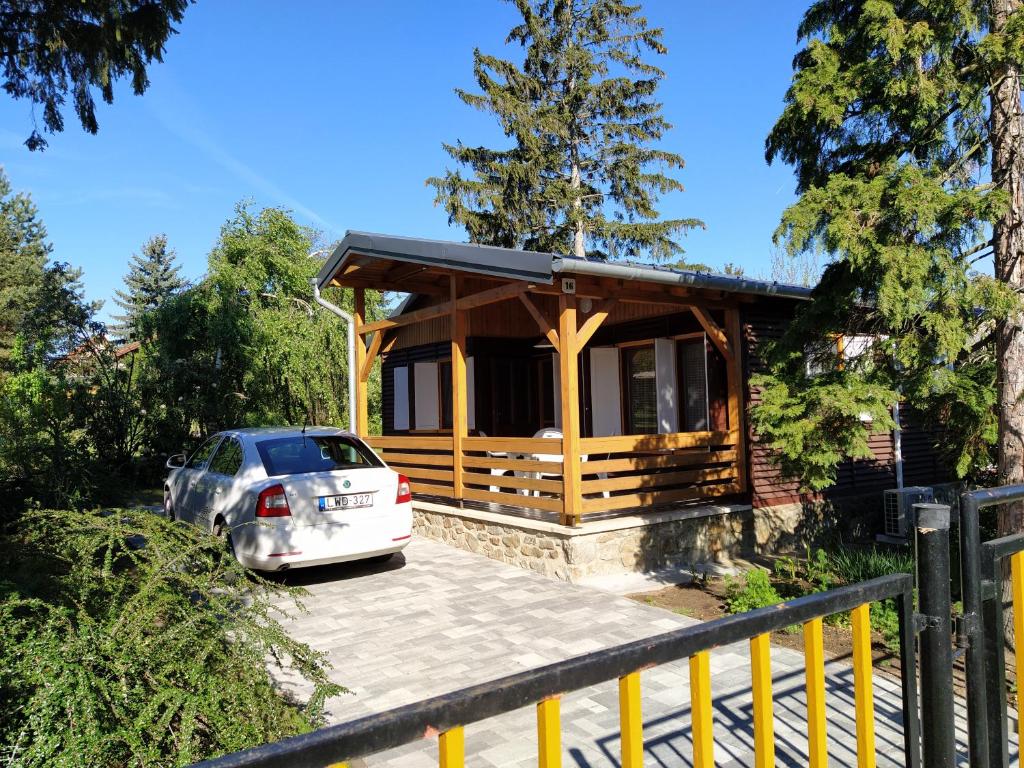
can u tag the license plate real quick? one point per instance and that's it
(346, 501)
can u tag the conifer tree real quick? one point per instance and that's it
(583, 174)
(23, 255)
(153, 277)
(903, 123)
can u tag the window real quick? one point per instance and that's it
(444, 388)
(202, 456)
(302, 454)
(693, 379)
(228, 459)
(641, 390)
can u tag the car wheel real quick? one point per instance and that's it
(221, 531)
(169, 507)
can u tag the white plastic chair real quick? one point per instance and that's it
(498, 455)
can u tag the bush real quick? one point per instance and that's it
(756, 591)
(131, 641)
(853, 565)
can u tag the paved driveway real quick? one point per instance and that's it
(441, 619)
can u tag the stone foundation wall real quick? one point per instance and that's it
(690, 539)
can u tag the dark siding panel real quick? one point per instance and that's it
(399, 358)
(765, 321)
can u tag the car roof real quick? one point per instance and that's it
(309, 431)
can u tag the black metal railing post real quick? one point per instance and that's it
(995, 657)
(974, 659)
(937, 727)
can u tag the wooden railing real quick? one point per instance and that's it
(426, 461)
(646, 470)
(515, 471)
(619, 472)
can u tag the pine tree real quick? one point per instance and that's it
(903, 122)
(582, 175)
(23, 255)
(153, 277)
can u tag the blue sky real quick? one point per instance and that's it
(337, 110)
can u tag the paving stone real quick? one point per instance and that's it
(438, 619)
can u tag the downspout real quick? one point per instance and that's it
(352, 372)
(897, 443)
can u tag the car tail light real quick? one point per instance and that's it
(272, 502)
(404, 490)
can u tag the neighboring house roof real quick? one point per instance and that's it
(534, 266)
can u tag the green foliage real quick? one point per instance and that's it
(132, 641)
(153, 278)
(69, 47)
(245, 346)
(755, 591)
(887, 125)
(581, 175)
(23, 255)
(851, 564)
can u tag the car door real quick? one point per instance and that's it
(216, 488)
(187, 502)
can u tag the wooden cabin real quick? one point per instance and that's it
(569, 389)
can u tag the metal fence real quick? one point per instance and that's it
(447, 715)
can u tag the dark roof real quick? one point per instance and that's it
(466, 257)
(537, 267)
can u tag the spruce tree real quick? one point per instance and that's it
(23, 255)
(903, 123)
(153, 277)
(583, 174)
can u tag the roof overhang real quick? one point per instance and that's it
(375, 261)
(505, 263)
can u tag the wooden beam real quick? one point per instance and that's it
(714, 332)
(459, 396)
(572, 476)
(737, 411)
(492, 295)
(359, 315)
(371, 355)
(593, 322)
(542, 322)
(407, 318)
(480, 299)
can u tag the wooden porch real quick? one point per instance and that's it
(573, 476)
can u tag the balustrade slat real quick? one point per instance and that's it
(700, 711)
(814, 663)
(764, 725)
(863, 690)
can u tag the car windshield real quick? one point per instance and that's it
(301, 454)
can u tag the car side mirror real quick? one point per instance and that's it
(177, 461)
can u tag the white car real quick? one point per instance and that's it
(290, 498)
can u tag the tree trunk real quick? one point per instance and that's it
(1007, 128)
(579, 243)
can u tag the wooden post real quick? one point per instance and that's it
(737, 413)
(359, 313)
(572, 477)
(460, 418)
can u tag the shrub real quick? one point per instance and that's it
(756, 591)
(853, 565)
(131, 641)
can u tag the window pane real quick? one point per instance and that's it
(300, 455)
(642, 390)
(694, 378)
(202, 456)
(444, 371)
(228, 459)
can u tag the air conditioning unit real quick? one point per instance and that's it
(899, 503)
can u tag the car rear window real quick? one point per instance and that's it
(301, 454)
